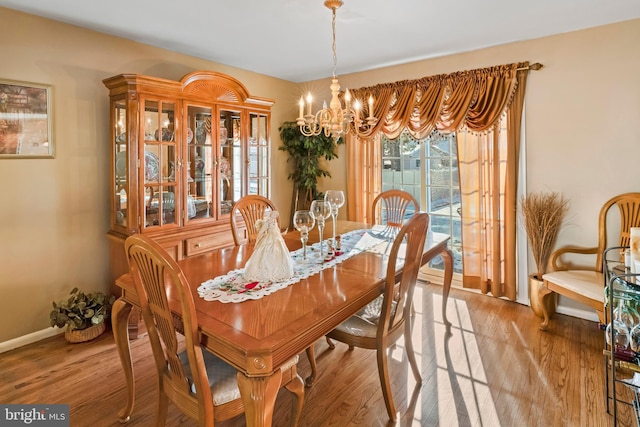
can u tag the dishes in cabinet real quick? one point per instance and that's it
(199, 162)
(167, 135)
(151, 166)
(225, 167)
(189, 135)
(121, 164)
(201, 134)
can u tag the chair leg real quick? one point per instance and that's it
(411, 355)
(311, 355)
(332, 345)
(163, 405)
(543, 294)
(296, 387)
(383, 372)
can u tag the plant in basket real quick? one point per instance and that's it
(83, 314)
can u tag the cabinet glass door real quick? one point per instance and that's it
(158, 164)
(200, 163)
(258, 152)
(121, 163)
(230, 161)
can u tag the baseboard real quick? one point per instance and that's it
(580, 313)
(29, 338)
(577, 312)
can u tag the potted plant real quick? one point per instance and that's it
(82, 314)
(542, 214)
(305, 153)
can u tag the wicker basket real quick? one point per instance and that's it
(82, 335)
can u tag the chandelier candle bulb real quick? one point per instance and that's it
(370, 106)
(309, 99)
(301, 103)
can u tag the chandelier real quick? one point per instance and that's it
(335, 120)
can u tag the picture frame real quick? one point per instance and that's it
(25, 120)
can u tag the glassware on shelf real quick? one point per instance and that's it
(321, 211)
(626, 313)
(621, 336)
(336, 199)
(634, 336)
(304, 221)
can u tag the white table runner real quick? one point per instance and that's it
(231, 287)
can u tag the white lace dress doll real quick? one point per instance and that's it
(270, 261)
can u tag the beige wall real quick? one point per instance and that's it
(580, 130)
(53, 213)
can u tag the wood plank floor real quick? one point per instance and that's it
(495, 368)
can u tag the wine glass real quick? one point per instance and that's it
(336, 199)
(304, 221)
(321, 211)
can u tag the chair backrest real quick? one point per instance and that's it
(155, 274)
(390, 207)
(251, 208)
(396, 305)
(629, 206)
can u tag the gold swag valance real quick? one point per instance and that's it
(475, 99)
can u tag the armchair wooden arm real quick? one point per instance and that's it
(586, 284)
(556, 263)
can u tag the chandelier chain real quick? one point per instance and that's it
(333, 45)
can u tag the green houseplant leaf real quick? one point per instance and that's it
(304, 155)
(80, 310)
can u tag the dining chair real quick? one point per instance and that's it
(203, 386)
(251, 208)
(582, 283)
(382, 322)
(390, 207)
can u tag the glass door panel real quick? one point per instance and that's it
(160, 206)
(158, 164)
(230, 161)
(200, 164)
(121, 162)
(258, 155)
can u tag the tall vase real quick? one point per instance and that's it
(535, 284)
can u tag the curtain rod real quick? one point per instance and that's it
(534, 66)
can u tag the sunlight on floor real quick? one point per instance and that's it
(459, 382)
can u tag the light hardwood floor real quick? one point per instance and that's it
(494, 369)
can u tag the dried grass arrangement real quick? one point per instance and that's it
(542, 214)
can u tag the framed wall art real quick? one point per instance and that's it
(25, 120)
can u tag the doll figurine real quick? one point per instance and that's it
(270, 260)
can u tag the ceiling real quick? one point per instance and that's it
(291, 39)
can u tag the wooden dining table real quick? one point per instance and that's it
(258, 336)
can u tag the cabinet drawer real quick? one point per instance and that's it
(205, 243)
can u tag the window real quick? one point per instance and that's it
(428, 169)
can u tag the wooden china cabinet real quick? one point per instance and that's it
(182, 152)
